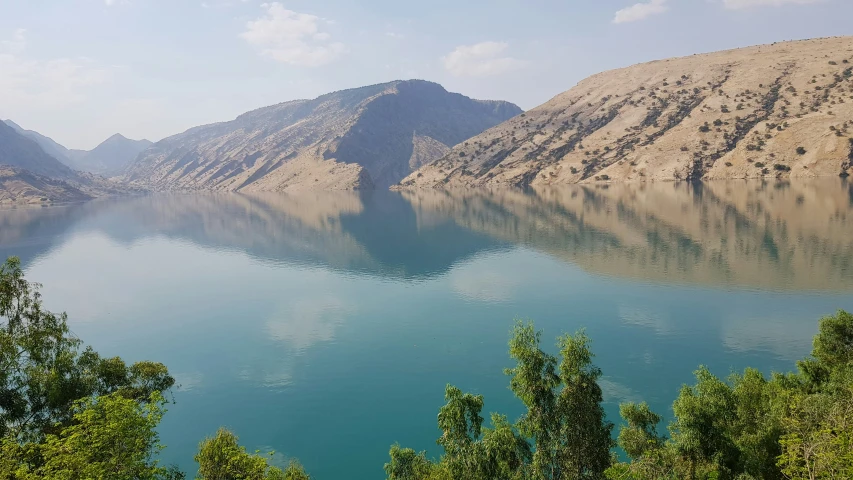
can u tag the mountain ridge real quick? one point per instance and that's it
(769, 111)
(108, 158)
(350, 139)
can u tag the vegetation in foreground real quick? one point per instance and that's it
(67, 413)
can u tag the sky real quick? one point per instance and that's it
(80, 71)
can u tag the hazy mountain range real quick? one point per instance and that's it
(109, 158)
(773, 111)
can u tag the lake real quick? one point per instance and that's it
(325, 326)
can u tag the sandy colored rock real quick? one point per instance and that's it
(362, 138)
(781, 110)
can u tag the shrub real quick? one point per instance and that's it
(705, 128)
(728, 164)
(781, 168)
(801, 151)
(759, 164)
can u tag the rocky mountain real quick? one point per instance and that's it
(23, 186)
(110, 157)
(28, 174)
(781, 110)
(19, 151)
(49, 145)
(353, 139)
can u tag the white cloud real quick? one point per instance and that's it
(110, 2)
(43, 84)
(640, 11)
(17, 44)
(480, 60)
(291, 37)
(741, 4)
(307, 322)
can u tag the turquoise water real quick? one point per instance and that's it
(325, 326)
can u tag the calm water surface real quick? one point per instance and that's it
(325, 326)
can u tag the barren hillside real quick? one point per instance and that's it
(360, 138)
(21, 186)
(781, 110)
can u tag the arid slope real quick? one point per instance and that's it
(361, 138)
(781, 110)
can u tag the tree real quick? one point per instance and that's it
(406, 464)
(640, 434)
(818, 442)
(221, 457)
(568, 427)
(584, 431)
(534, 381)
(65, 412)
(112, 437)
(45, 370)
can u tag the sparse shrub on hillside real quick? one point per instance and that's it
(705, 128)
(759, 164)
(801, 151)
(781, 168)
(728, 164)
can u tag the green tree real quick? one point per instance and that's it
(534, 381)
(640, 434)
(221, 457)
(44, 370)
(406, 464)
(564, 415)
(111, 438)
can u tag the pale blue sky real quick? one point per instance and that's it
(81, 70)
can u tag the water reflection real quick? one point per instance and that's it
(778, 236)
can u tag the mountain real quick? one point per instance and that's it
(23, 186)
(360, 138)
(781, 110)
(47, 144)
(19, 151)
(110, 157)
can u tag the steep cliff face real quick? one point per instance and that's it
(781, 110)
(361, 138)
